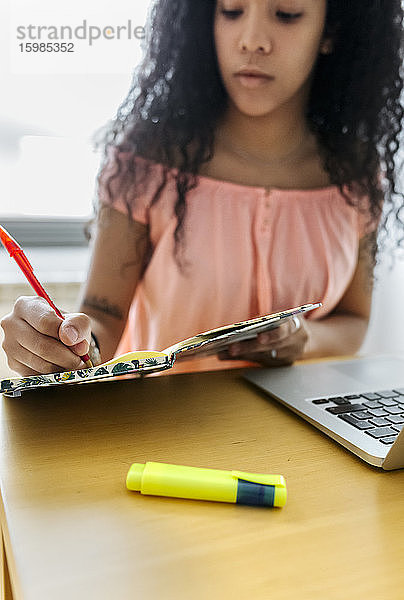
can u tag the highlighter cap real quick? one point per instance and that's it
(280, 495)
(134, 477)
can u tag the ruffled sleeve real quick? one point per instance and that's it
(141, 177)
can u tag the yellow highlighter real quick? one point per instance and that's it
(159, 479)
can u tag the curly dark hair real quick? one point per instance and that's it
(177, 98)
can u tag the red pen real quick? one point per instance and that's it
(16, 252)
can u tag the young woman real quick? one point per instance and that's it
(245, 173)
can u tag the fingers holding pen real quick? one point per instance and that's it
(38, 352)
(31, 339)
(75, 332)
(29, 363)
(37, 313)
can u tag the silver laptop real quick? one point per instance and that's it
(359, 403)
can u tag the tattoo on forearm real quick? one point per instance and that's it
(103, 305)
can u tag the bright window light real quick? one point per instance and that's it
(48, 117)
(53, 176)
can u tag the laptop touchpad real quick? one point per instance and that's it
(380, 372)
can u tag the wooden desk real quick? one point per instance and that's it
(72, 530)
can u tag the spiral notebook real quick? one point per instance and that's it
(143, 362)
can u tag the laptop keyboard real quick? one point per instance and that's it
(378, 414)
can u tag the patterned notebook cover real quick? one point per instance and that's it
(143, 362)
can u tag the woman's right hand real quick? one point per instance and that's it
(37, 341)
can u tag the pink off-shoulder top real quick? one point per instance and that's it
(249, 251)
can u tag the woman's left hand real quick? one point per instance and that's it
(273, 348)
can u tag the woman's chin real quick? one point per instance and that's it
(254, 110)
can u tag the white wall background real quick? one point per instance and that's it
(386, 328)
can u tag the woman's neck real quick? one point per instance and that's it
(272, 151)
(273, 138)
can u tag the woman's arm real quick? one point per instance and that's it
(37, 341)
(118, 256)
(344, 330)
